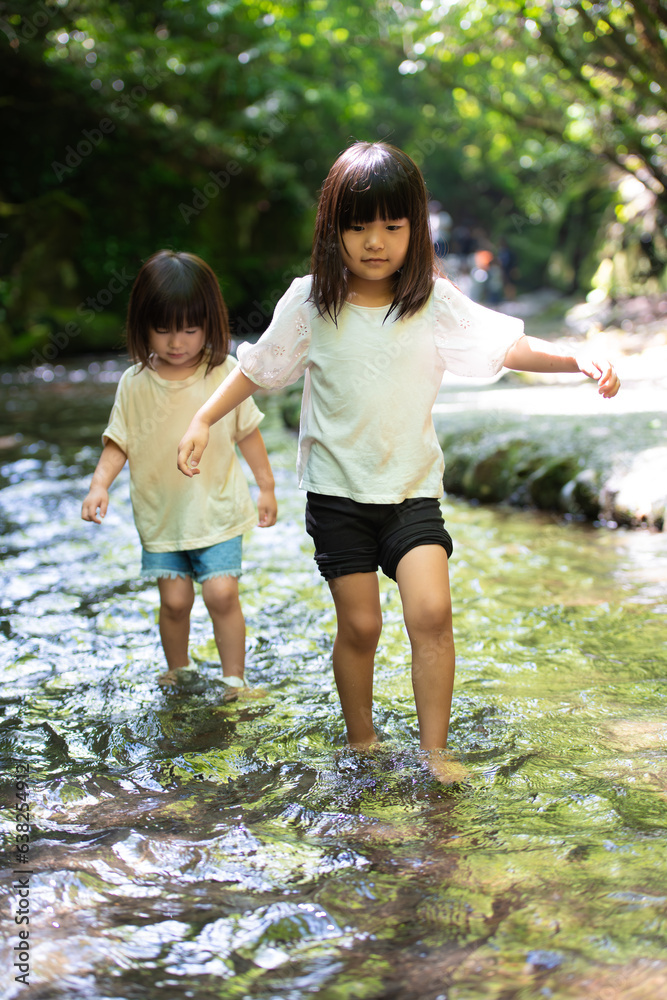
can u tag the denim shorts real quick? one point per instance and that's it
(352, 537)
(223, 559)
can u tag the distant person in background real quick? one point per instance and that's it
(487, 279)
(373, 329)
(178, 337)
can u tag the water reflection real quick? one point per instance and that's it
(186, 847)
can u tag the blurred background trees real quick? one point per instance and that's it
(209, 126)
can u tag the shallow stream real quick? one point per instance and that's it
(182, 847)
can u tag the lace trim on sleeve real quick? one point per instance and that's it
(280, 356)
(471, 339)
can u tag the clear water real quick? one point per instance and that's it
(182, 847)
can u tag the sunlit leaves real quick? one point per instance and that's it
(606, 58)
(495, 99)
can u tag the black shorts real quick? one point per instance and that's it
(352, 537)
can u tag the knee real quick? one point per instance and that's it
(221, 596)
(432, 618)
(177, 608)
(362, 630)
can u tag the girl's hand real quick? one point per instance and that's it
(604, 374)
(97, 499)
(191, 448)
(267, 508)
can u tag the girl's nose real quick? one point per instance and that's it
(373, 238)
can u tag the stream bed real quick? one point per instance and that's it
(179, 846)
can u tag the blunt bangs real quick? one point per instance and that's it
(376, 192)
(175, 291)
(371, 180)
(176, 301)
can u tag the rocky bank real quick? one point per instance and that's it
(553, 442)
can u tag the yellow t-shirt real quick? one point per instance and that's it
(149, 417)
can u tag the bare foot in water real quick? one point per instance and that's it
(445, 768)
(169, 678)
(187, 679)
(371, 744)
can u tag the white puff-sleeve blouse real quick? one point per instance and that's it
(470, 339)
(280, 356)
(370, 384)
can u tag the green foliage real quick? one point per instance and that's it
(209, 126)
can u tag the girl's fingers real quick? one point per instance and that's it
(185, 459)
(609, 383)
(603, 373)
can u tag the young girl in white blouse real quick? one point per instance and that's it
(374, 328)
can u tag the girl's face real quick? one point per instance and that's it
(374, 251)
(178, 350)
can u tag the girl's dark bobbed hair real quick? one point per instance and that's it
(367, 181)
(171, 292)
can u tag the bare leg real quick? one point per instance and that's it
(221, 597)
(423, 580)
(176, 600)
(359, 619)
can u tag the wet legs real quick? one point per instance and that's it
(176, 600)
(423, 580)
(359, 617)
(221, 597)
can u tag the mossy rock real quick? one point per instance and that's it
(547, 483)
(581, 495)
(501, 474)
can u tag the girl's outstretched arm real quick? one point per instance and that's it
(111, 462)
(254, 451)
(233, 391)
(530, 354)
